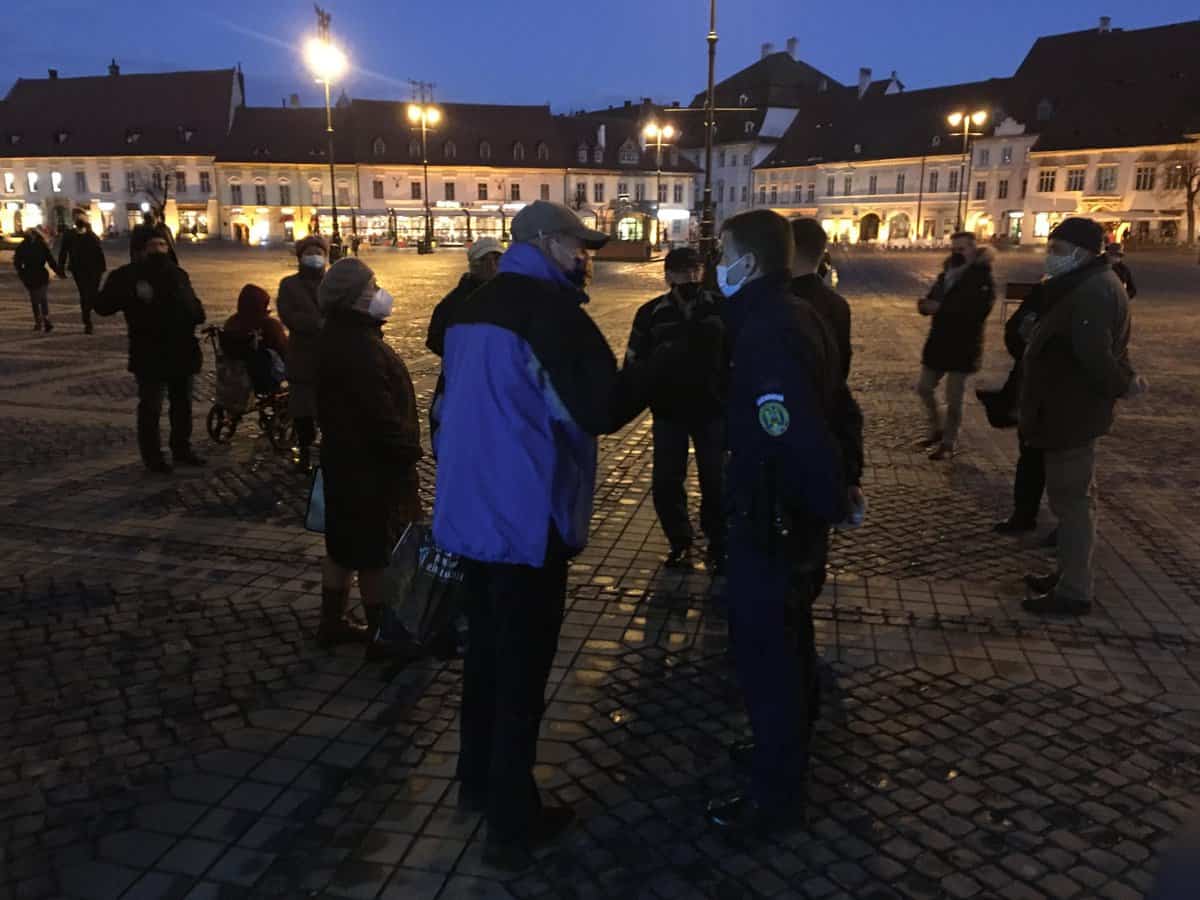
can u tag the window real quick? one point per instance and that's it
(598, 192)
(774, 194)
(981, 190)
(285, 194)
(798, 194)
(746, 159)
(900, 178)
(315, 192)
(1176, 179)
(622, 189)
(56, 182)
(449, 150)
(1046, 180)
(481, 191)
(933, 182)
(543, 152)
(378, 147)
(985, 157)
(1005, 155)
(519, 152)
(639, 191)
(205, 183)
(485, 150)
(598, 155)
(812, 194)
(180, 181)
(260, 194)
(1002, 188)
(872, 184)
(745, 193)
(235, 194)
(156, 179)
(31, 179)
(629, 154)
(546, 192)
(662, 193)
(81, 183)
(733, 193)
(721, 159)
(762, 195)
(1075, 178)
(377, 189)
(749, 128)
(677, 194)
(580, 193)
(514, 191)
(414, 190)
(448, 191)
(106, 183)
(830, 186)
(1024, 187)
(581, 153)
(721, 191)
(414, 149)
(953, 185)
(848, 185)
(1144, 178)
(130, 183)
(1106, 179)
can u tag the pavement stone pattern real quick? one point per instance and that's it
(174, 732)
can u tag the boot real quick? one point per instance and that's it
(335, 628)
(402, 649)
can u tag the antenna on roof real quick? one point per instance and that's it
(422, 91)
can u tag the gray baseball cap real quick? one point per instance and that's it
(542, 218)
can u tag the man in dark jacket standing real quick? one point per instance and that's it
(82, 255)
(300, 311)
(162, 312)
(677, 350)
(959, 302)
(1116, 259)
(483, 262)
(809, 284)
(33, 261)
(1076, 368)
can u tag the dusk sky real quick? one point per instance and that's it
(572, 55)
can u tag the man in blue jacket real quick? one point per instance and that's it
(786, 485)
(529, 380)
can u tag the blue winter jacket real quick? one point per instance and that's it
(528, 385)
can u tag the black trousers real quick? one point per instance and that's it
(1029, 484)
(514, 615)
(150, 397)
(670, 475)
(88, 284)
(306, 431)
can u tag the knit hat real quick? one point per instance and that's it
(312, 241)
(1081, 232)
(344, 285)
(139, 238)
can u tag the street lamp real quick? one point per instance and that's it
(427, 117)
(326, 61)
(966, 120)
(658, 133)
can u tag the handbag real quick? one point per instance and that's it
(424, 587)
(314, 515)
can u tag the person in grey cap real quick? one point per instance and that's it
(1076, 367)
(483, 262)
(372, 442)
(529, 382)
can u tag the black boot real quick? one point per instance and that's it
(399, 648)
(335, 627)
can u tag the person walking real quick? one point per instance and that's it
(483, 262)
(786, 484)
(1076, 368)
(528, 387)
(161, 312)
(82, 255)
(1116, 258)
(959, 303)
(371, 446)
(33, 261)
(300, 310)
(677, 350)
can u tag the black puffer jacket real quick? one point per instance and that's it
(161, 311)
(955, 342)
(443, 312)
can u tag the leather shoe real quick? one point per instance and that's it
(1014, 526)
(739, 814)
(1055, 604)
(517, 856)
(929, 440)
(1041, 584)
(679, 558)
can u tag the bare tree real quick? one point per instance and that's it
(157, 184)
(1183, 174)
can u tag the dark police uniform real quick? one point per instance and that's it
(786, 485)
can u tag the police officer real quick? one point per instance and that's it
(786, 485)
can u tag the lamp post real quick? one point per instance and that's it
(658, 133)
(427, 117)
(707, 237)
(966, 120)
(327, 62)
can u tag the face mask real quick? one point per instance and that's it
(1060, 265)
(690, 291)
(381, 305)
(157, 259)
(313, 261)
(956, 260)
(578, 274)
(723, 278)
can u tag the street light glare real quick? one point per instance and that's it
(433, 115)
(955, 119)
(325, 60)
(651, 130)
(668, 132)
(979, 117)
(414, 114)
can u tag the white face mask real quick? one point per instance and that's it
(723, 282)
(1060, 265)
(313, 261)
(381, 305)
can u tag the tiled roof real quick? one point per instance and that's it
(272, 134)
(167, 114)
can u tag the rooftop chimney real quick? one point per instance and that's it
(113, 68)
(864, 81)
(792, 44)
(767, 49)
(601, 136)
(628, 104)
(1105, 24)
(53, 74)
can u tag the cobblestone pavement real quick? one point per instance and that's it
(174, 733)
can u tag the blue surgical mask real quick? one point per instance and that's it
(723, 278)
(1060, 265)
(381, 305)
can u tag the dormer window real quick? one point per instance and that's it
(449, 150)
(317, 151)
(14, 138)
(60, 137)
(857, 149)
(629, 154)
(261, 152)
(598, 155)
(414, 149)
(518, 152)
(184, 135)
(582, 153)
(378, 147)
(543, 152)
(1045, 109)
(132, 136)
(936, 141)
(749, 128)
(485, 150)
(743, 99)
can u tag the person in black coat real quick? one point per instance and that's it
(32, 259)
(82, 255)
(959, 303)
(162, 312)
(1116, 259)
(483, 262)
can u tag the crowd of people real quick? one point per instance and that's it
(750, 368)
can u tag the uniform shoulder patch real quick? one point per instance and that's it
(773, 416)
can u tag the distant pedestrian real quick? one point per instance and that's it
(483, 262)
(82, 255)
(34, 262)
(959, 303)
(1076, 368)
(677, 348)
(529, 384)
(300, 310)
(371, 446)
(1116, 258)
(162, 312)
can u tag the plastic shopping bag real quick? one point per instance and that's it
(314, 517)
(424, 586)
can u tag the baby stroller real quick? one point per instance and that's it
(247, 369)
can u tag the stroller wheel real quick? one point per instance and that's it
(280, 430)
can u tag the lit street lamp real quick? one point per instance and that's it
(427, 117)
(966, 120)
(658, 134)
(327, 62)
